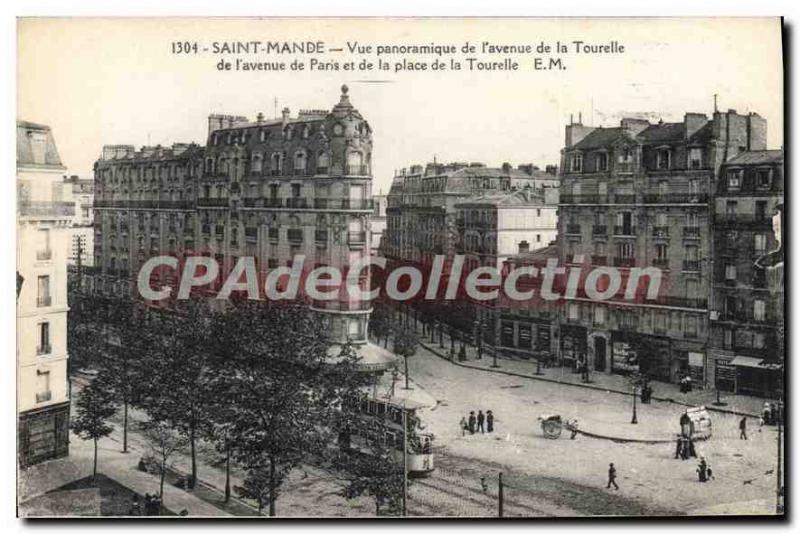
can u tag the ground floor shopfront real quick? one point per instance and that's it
(746, 374)
(527, 337)
(629, 352)
(43, 434)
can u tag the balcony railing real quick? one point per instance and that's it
(754, 220)
(298, 203)
(624, 262)
(357, 204)
(625, 231)
(357, 238)
(43, 349)
(599, 229)
(676, 198)
(661, 231)
(579, 199)
(251, 233)
(357, 170)
(625, 199)
(662, 263)
(44, 397)
(321, 236)
(46, 209)
(322, 170)
(273, 233)
(43, 255)
(43, 302)
(691, 232)
(573, 228)
(213, 202)
(599, 260)
(691, 265)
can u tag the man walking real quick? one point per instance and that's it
(481, 418)
(743, 428)
(489, 421)
(612, 476)
(471, 423)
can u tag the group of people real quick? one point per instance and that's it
(478, 423)
(152, 505)
(704, 472)
(771, 413)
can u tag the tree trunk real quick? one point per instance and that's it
(193, 477)
(377, 506)
(228, 476)
(161, 487)
(405, 363)
(125, 425)
(272, 487)
(94, 468)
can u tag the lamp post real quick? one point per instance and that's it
(634, 421)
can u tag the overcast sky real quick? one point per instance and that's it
(104, 81)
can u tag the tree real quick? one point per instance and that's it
(405, 344)
(95, 405)
(373, 469)
(274, 361)
(256, 486)
(180, 384)
(380, 322)
(164, 442)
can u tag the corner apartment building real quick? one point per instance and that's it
(640, 195)
(43, 226)
(271, 189)
(745, 348)
(81, 192)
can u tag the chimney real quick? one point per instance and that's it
(693, 122)
(506, 167)
(634, 126)
(285, 115)
(551, 169)
(524, 246)
(260, 118)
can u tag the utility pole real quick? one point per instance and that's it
(405, 460)
(634, 421)
(500, 494)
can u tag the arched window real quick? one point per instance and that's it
(277, 163)
(355, 162)
(287, 133)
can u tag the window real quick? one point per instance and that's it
(538, 238)
(577, 163)
(576, 191)
(761, 210)
(573, 312)
(602, 189)
(661, 252)
(663, 159)
(731, 208)
(758, 340)
(759, 310)
(763, 178)
(625, 250)
(43, 251)
(625, 155)
(730, 272)
(602, 161)
(44, 339)
(256, 166)
(734, 179)
(695, 158)
(43, 297)
(661, 219)
(262, 136)
(599, 315)
(354, 329)
(660, 322)
(691, 326)
(663, 187)
(727, 339)
(759, 244)
(43, 393)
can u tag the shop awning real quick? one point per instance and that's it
(372, 357)
(747, 361)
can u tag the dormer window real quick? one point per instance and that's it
(306, 131)
(734, 179)
(663, 157)
(602, 162)
(576, 165)
(625, 156)
(262, 136)
(763, 178)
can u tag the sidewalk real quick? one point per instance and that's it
(47, 476)
(662, 392)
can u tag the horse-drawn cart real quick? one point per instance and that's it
(552, 425)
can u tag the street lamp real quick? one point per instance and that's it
(634, 421)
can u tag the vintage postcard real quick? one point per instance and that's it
(400, 267)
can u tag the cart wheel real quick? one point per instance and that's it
(552, 429)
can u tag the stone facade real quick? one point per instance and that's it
(641, 195)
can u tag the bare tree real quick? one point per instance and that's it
(164, 443)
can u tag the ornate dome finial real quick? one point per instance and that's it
(344, 89)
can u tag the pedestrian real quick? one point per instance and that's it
(489, 421)
(573, 426)
(702, 470)
(688, 384)
(472, 421)
(463, 425)
(481, 419)
(743, 428)
(426, 446)
(612, 476)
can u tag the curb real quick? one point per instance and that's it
(585, 386)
